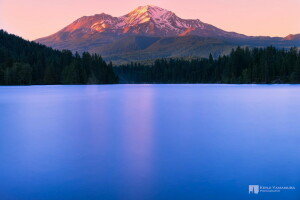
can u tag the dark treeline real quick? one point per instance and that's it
(242, 65)
(23, 63)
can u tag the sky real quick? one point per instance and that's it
(32, 19)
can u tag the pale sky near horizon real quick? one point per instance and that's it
(32, 19)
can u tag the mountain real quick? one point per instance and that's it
(145, 29)
(292, 37)
(145, 20)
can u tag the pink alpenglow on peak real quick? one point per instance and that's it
(144, 20)
(40, 18)
(152, 32)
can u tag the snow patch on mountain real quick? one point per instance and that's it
(145, 19)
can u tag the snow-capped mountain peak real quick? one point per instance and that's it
(152, 19)
(149, 32)
(149, 12)
(146, 20)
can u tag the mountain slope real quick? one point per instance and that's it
(145, 20)
(93, 31)
(145, 48)
(140, 28)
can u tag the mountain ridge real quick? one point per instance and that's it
(92, 33)
(144, 20)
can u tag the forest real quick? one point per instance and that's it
(28, 63)
(242, 65)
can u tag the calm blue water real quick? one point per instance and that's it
(144, 142)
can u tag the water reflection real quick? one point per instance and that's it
(137, 141)
(148, 141)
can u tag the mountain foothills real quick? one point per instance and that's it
(24, 63)
(150, 32)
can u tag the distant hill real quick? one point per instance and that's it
(152, 32)
(292, 37)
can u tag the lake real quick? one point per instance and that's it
(144, 142)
